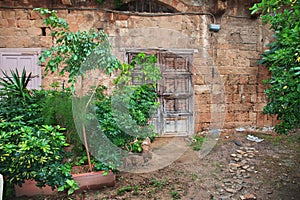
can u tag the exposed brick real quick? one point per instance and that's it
(252, 80)
(202, 99)
(4, 23)
(233, 89)
(245, 98)
(8, 14)
(242, 116)
(11, 23)
(259, 107)
(253, 98)
(230, 117)
(236, 98)
(239, 107)
(264, 120)
(24, 23)
(233, 79)
(252, 116)
(201, 89)
(34, 31)
(232, 124)
(205, 117)
(248, 89)
(202, 108)
(218, 98)
(237, 70)
(34, 15)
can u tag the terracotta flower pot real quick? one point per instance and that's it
(94, 180)
(90, 180)
(29, 188)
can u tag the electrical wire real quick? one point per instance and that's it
(141, 14)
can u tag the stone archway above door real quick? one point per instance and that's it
(153, 6)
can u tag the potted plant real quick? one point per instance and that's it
(69, 53)
(84, 51)
(29, 150)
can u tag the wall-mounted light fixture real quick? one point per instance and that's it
(214, 27)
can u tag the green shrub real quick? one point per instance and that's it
(57, 110)
(125, 115)
(17, 101)
(283, 61)
(33, 152)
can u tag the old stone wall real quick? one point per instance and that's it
(227, 80)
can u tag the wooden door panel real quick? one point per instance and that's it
(175, 114)
(19, 59)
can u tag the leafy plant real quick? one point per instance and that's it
(33, 152)
(15, 84)
(134, 189)
(175, 194)
(283, 60)
(124, 116)
(197, 142)
(17, 100)
(57, 110)
(75, 52)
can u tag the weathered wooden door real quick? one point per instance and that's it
(175, 115)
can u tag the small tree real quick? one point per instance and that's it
(72, 50)
(283, 61)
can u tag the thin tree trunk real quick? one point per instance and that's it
(87, 148)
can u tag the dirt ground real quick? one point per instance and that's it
(236, 168)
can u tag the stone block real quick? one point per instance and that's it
(122, 17)
(245, 98)
(229, 117)
(229, 97)
(241, 62)
(198, 79)
(224, 70)
(258, 107)
(33, 15)
(236, 98)
(239, 107)
(24, 23)
(232, 89)
(248, 89)
(201, 89)
(202, 99)
(244, 79)
(3, 41)
(11, 23)
(202, 107)
(265, 120)
(261, 88)
(45, 41)
(121, 24)
(34, 31)
(4, 23)
(205, 117)
(218, 98)
(252, 116)
(261, 98)
(242, 116)
(233, 79)
(8, 14)
(217, 88)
